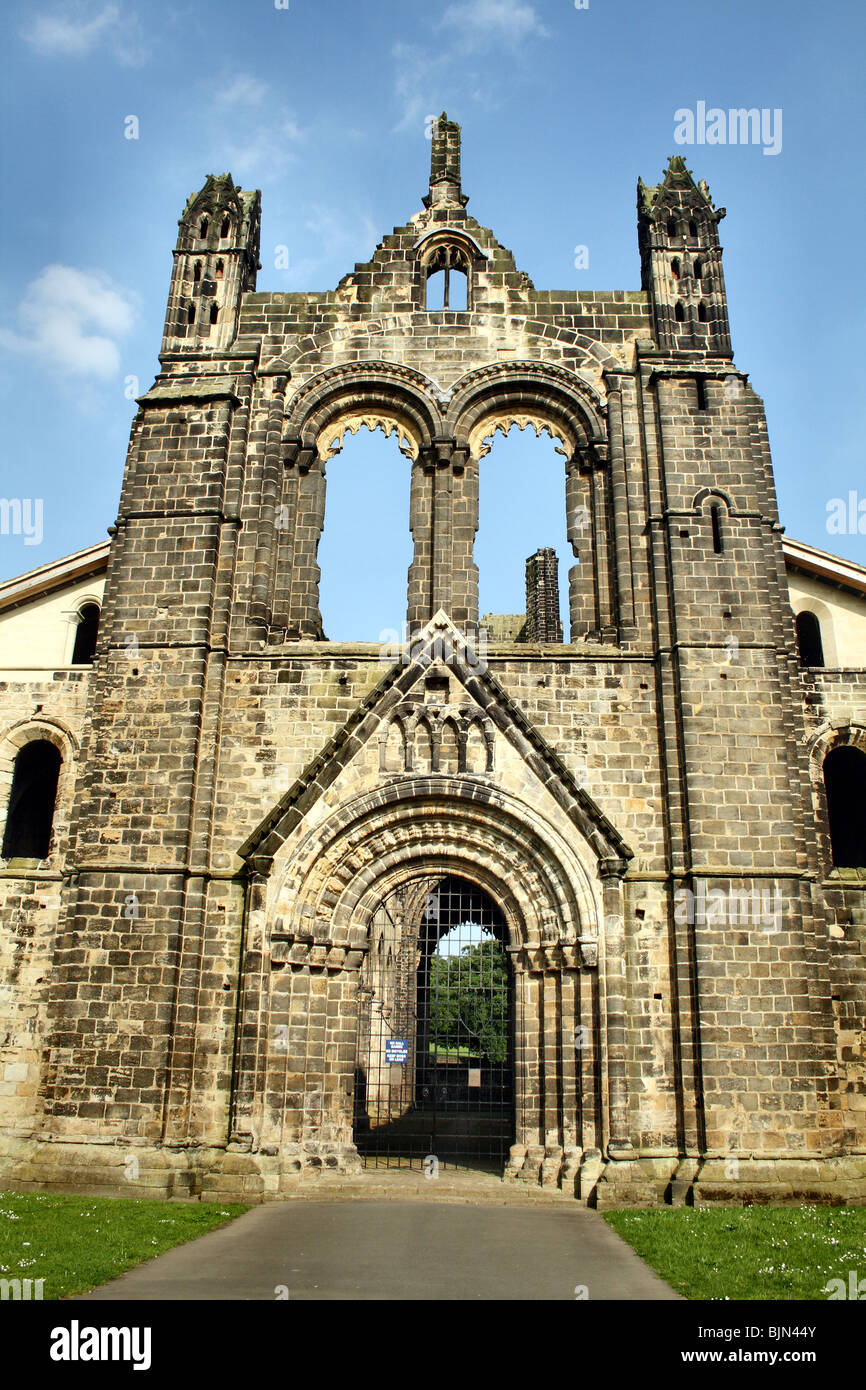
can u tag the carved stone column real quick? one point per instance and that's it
(303, 619)
(625, 610)
(581, 577)
(249, 1052)
(619, 1141)
(443, 517)
(464, 571)
(260, 605)
(420, 601)
(601, 527)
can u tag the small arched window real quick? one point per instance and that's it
(716, 524)
(702, 313)
(679, 313)
(226, 227)
(672, 226)
(693, 230)
(219, 270)
(845, 784)
(809, 642)
(202, 231)
(196, 273)
(30, 812)
(190, 313)
(85, 635)
(447, 284)
(214, 313)
(699, 269)
(675, 267)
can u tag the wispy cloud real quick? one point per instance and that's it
(71, 321)
(252, 142)
(486, 22)
(263, 149)
(340, 240)
(424, 83)
(418, 84)
(78, 29)
(243, 90)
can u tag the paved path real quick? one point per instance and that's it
(395, 1250)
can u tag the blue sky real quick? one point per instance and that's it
(324, 105)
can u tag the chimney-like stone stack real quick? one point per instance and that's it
(543, 622)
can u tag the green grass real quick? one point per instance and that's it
(74, 1243)
(748, 1252)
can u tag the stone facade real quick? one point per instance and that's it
(239, 796)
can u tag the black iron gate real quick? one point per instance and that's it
(435, 1068)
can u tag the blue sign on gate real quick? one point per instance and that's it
(396, 1049)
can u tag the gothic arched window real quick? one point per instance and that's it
(85, 635)
(30, 812)
(845, 784)
(809, 642)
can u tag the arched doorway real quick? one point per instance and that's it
(434, 1080)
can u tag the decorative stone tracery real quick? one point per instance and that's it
(332, 438)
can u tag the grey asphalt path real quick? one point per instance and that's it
(395, 1250)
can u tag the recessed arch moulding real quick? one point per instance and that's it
(444, 435)
(308, 928)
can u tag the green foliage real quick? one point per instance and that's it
(469, 1002)
(75, 1243)
(748, 1252)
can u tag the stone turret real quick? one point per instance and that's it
(215, 262)
(681, 262)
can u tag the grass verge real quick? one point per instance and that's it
(749, 1252)
(75, 1243)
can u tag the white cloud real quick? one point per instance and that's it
(70, 321)
(77, 29)
(510, 21)
(243, 90)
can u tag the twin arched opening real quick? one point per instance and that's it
(446, 492)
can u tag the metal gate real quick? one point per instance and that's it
(434, 1081)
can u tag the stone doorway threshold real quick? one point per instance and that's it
(409, 1185)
